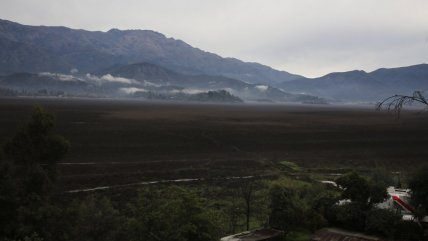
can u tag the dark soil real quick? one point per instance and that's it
(133, 141)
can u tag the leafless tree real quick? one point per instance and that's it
(247, 189)
(395, 103)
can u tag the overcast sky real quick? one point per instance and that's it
(308, 37)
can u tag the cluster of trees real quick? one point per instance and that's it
(298, 204)
(352, 207)
(31, 208)
(209, 96)
(362, 214)
(27, 175)
(7, 92)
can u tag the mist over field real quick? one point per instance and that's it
(59, 61)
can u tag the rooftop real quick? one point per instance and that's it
(327, 234)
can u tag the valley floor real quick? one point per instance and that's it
(124, 142)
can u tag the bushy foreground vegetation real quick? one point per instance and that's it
(32, 208)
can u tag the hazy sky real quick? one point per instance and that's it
(308, 37)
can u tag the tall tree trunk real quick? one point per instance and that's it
(248, 214)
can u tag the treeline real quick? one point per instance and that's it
(210, 96)
(32, 207)
(7, 92)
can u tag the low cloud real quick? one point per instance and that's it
(110, 78)
(61, 77)
(132, 90)
(148, 83)
(189, 91)
(262, 88)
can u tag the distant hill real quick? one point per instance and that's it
(361, 86)
(148, 81)
(59, 49)
(411, 78)
(159, 64)
(162, 76)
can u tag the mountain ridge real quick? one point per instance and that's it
(146, 81)
(361, 85)
(59, 49)
(63, 49)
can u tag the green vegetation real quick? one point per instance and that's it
(290, 165)
(32, 207)
(299, 235)
(28, 169)
(419, 184)
(299, 204)
(362, 215)
(174, 214)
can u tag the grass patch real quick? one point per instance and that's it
(288, 182)
(299, 235)
(290, 165)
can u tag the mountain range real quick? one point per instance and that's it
(59, 49)
(146, 63)
(150, 81)
(359, 85)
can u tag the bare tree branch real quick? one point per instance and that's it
(395, 103)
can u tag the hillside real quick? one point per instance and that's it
(59, 49)
(362, 86)
(147, 81)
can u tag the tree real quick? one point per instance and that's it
(324, 204)
(396, 102)
(363, 194)
(355, 188)
(418, 183)
(247, 190)
(382, 176)
(93, 219)
(171, 214)
(411, 231)
(36, 145)
(297, 204)
(233, 212)
(382, 222)
(286, 213)
(9, 199)
(28, 174)
(351, 216)
(361, 191)
(241, 196)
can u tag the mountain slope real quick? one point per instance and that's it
(362, 86)
(60, 49)
(147, 81)
(410, 78)
(163, 76)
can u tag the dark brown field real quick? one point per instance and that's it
(119, 142)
